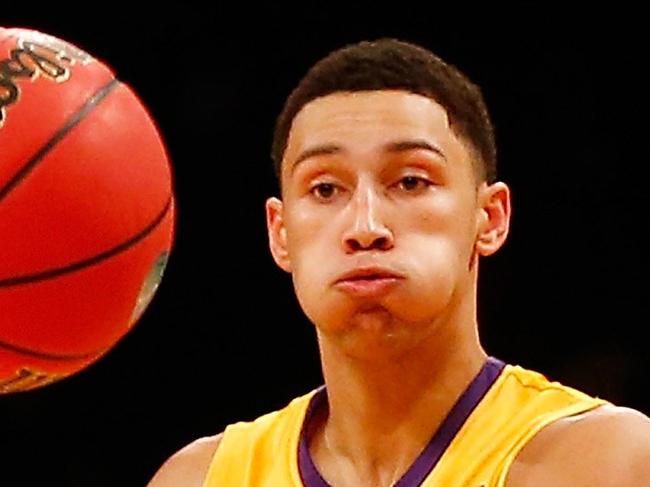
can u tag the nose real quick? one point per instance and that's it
(367, 230)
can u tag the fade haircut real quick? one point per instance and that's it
(391, 64)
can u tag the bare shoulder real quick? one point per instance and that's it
(609, 446)
(188, 466)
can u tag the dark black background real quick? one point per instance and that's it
(224, 338)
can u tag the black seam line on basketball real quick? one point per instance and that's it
(47, 355)
(49, 274)
(56, 138)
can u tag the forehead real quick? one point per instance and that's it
(363, 122)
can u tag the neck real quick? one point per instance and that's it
(382, 413)
(369, 400)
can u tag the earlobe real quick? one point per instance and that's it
(493, 219)
(277, 233)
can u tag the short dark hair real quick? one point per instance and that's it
(387, 64)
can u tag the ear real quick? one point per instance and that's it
(493, 220)
(277, 233)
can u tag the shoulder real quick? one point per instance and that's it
(608, 446)
(188, 466)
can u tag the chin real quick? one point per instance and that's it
(369, 343)
(372, 331)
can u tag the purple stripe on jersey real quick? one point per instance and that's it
(431, 454)
(309, 475)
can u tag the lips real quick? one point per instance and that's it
(368, 282)
(368, 273)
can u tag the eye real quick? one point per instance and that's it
(323, 191)
(412, 184)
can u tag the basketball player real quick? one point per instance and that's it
(386, 159)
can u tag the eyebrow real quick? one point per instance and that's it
(415, 144)
(390, 147)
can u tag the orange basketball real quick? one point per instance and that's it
(86, 209)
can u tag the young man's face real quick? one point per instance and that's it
(382, 217)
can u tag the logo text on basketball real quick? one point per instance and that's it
(45, 56)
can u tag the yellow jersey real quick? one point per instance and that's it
(498, 413)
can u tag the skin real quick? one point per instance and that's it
(381, 179)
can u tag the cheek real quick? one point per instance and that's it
(311, 250)
(434, 269)
(314, 234)
(435, 249)
(449, 223)
(309, 244)
(320, 304)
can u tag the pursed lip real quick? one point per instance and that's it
(368, 273)
(368, 282)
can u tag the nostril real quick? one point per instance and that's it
(354, 245)
(380, 243)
